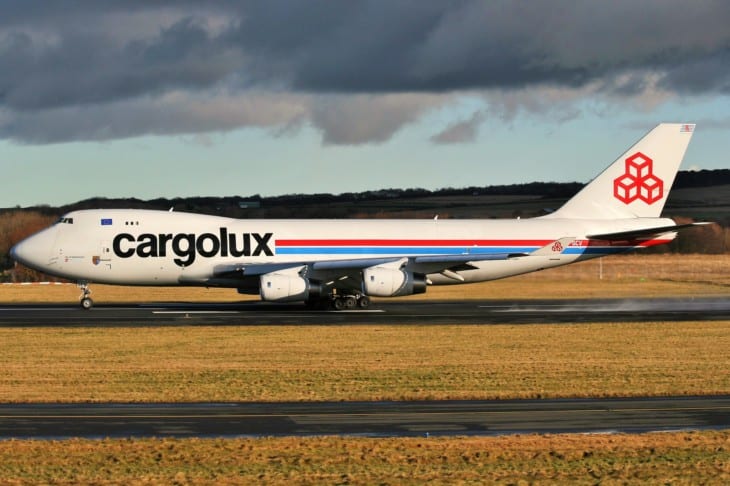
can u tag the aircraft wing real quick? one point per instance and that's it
(348, 269)
(420, 264)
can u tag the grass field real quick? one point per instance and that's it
(282, 363)
(671, 458)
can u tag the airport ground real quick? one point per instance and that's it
(255, 363)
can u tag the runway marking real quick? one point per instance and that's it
(197, 312)
(359, 311)
(34, 309)
(535, 306)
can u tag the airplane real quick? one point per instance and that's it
(340, 264)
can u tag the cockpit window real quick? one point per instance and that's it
(65, 221)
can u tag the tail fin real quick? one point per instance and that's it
(637, 184)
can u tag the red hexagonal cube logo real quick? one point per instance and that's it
(638, 182)
(651, 189)
(639, 166)
(626, 188)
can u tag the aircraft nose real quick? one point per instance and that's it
(35, 250)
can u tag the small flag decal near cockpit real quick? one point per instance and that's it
(106, 221)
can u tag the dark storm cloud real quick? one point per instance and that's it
(90, 68)
(84, 53)
(382, 46)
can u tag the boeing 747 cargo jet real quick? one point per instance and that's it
(341, 263)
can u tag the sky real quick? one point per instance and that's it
(234, 98)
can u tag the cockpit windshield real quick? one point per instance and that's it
(65, 220)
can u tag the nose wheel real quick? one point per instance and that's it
(85, 302)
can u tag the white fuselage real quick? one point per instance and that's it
(141, 247)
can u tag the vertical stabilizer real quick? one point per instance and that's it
(637, 184)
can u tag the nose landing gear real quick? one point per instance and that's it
(85, 302)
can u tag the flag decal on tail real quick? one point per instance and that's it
(638, 182)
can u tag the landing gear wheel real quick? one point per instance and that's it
(363, 302)
(350, 302)
(86, 302)
(339, 303)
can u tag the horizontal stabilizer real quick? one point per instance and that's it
(646, 232)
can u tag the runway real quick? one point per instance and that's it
(389, 312)
(373, 419)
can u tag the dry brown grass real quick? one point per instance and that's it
(623, 276)
(281, 363)
(673, 458)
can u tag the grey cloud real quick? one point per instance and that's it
(461, 131)
(352, 120)
(175, 113)
(710, 74)
(342, 119)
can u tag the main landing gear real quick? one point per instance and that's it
(343, 302)
(340, 302)
(86, 302)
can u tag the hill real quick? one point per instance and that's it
(698, 195)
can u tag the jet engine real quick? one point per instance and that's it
(288, 287)
(382, 281)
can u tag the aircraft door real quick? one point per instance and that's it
(104, 257)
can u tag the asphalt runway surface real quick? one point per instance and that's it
(385, 312)
(370, 419)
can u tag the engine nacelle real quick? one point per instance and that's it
(392, 282)
(281, 287)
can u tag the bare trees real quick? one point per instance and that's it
(14, 226)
